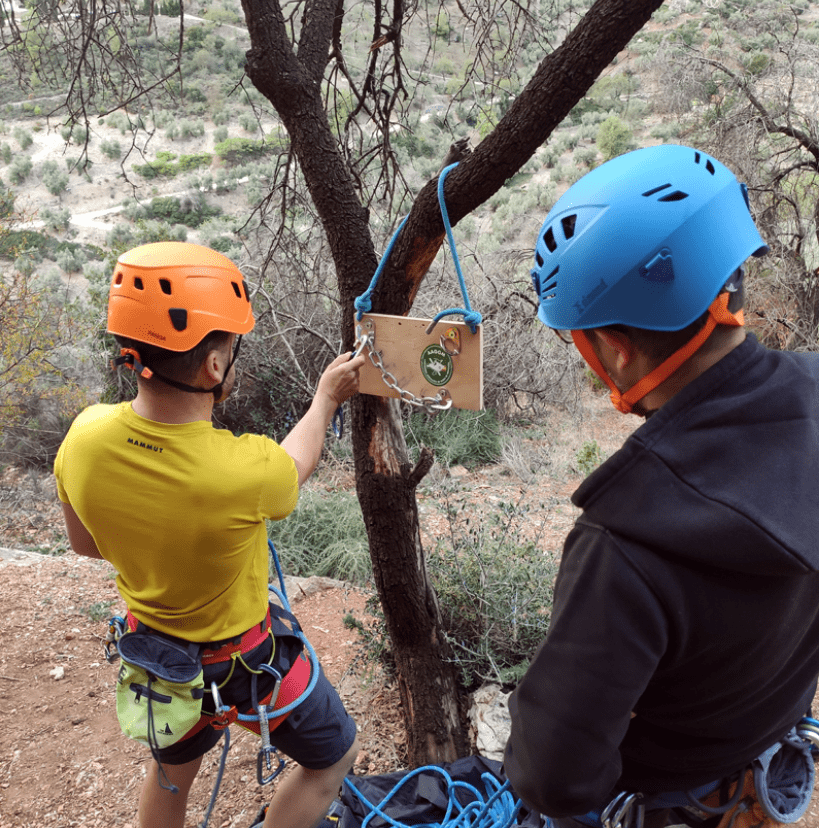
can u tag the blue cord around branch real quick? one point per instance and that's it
(363, 303)
(497, 811)
(471, 317)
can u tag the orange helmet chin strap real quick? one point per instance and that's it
(718, 314)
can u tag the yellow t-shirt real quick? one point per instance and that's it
(179, 511)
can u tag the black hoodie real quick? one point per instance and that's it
(688, 594)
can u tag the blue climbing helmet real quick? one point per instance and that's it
(647, 239)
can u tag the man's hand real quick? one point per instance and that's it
(340, 378)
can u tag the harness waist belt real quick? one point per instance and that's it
(215, 652)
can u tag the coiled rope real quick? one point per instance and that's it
(496, 809)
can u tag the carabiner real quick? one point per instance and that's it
(442, 395)
(266, 751)
(116, 629)
(338, 418)
(618, 813)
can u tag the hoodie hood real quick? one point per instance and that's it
(726, 473)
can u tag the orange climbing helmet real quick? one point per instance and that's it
(173, 294)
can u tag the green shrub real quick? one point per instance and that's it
(494, 589)
(23, 137)
(585, 156)
(20, 169)
(589, 457)
(166, 164)
(70, 260)
(56, 220)
(74, 133)
(191, 129)
(324, 535)
(111, 149)
(239, 150)
(614, 137)
(442, 27)
(757, 63)
(191, 212)
(457, 437)
(53, 177)
(248, 122)
(119, 120)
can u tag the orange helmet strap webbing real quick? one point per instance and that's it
(131, 359)
(718, 314)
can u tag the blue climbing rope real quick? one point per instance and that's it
(471, 317)
(497, 810)
(363, 303)
(314, 662)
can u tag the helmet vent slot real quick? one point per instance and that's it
(550, 285)
(236, 290)
(656, 190)
(709, 165)
(538, 259)
(568, 224)
(118, 279)
(549, 240)
(166, 286)
(138, 283)
(677, 195)
(179, 318)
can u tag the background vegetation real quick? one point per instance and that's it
(206, 161)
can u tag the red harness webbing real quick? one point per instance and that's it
(292, 686)
(224, 652)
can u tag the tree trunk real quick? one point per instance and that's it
(385, 479)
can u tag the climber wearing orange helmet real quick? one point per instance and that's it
(179, 509)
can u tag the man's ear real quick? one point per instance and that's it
(214, 365)
(620, 343)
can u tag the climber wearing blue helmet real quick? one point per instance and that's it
(683, 648)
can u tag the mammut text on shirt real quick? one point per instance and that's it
(139, 444)
(180, 511)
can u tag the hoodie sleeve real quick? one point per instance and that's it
(572, 709)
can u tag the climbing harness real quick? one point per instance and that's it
(497, 807)
(436, 363)
(775, 789)
(288, 692)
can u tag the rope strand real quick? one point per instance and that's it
(363, 303)
(497, 811)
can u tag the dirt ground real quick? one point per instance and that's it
(64, 761)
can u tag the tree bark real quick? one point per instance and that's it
(385, 480)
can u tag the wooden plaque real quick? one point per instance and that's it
(448, 358)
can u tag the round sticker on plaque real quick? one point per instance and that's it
(436, 365)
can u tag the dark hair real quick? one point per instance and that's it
(660, 345)
(181, 366)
